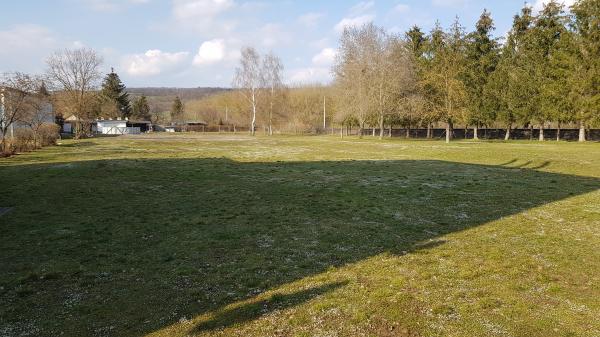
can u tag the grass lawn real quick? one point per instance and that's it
(177, 235)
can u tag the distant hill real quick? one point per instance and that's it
(185, 94)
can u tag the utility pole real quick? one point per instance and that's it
(324, 115)
(226, 112)
(2, 105)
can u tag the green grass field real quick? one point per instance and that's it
(300, 236)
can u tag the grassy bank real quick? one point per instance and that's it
(176, 235)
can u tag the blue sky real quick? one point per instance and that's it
(191, 43)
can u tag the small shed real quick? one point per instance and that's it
(144, 126)
(194, 126)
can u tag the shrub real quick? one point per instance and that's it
(48, 134)
(23, 140)
(26, 140)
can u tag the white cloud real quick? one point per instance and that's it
(353, 22)
(449, 3)
(26, 37)
(401, 8)
(200, 9)
(153, 62)
(325, 57)
(359, 14)
(362, 7)
(310, 20)
(274, 34)
(320, 43)
(111, 5)
(210, 52)
(309, 75)
(205, 17)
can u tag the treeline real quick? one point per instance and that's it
(547, 71)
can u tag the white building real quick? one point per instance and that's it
(110, 126)
(116, 127)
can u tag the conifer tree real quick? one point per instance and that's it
(512, 83)
(114, 95)
(445, 73)
(585, 73)
(433, 46)
(482, 59)
(545, 39)
(141, 108)
(177, 110)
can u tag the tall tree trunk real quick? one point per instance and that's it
(541, 132)
(448, 131)
(390, 134)
(475, 132)
(253, 131)
(381, 127)
(342, 131)
(530, 131)
(429, 135)
(507, 136)
(581, 131)
(558, 133)
(373, 131)
(271, 120)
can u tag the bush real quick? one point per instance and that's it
(48, 134)
(22, 141)
(26, 140)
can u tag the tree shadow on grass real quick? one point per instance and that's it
(128, 247)
(255, 309)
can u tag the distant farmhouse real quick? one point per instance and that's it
(116, 126)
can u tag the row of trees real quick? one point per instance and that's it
(547, 71)
(72, 87)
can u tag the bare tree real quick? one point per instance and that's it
(272, 71)
(394, 84)
(15, 92)
(39, 110)
(76, 73)
(249, 79)
(353, 70)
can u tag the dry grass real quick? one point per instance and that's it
(180, 235)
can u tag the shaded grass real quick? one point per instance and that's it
(301, 236)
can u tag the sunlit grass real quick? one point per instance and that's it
(301, 236)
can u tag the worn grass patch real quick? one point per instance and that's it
(300, 236)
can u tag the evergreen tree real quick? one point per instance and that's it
(141, 108)
(544, 40)
(505, 92)
(416, 42)
(520, 90)
(177, 110)
(445, 73)
(557, 91)
(115, 96)
(432, 49)
(585, 72)
(482, 59)
(417, 46)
